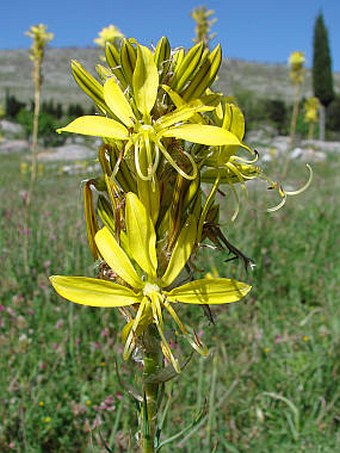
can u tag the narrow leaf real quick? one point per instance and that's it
(141, 234)
(117, 102)
(203, 134)
(145, 81)
(96, 126)
(116, 258)
(179, 115)
(181, 252)
(209, 291)
(94, 292)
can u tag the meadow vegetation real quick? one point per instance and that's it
(271, 380)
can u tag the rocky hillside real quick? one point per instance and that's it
(236, 76)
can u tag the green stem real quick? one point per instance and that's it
(153, 361)
(295, 114)
(37, 91)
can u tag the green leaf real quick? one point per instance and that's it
(203, 134)
(181, 252)
(209, 291)
(105, 213)
(94, 292)
(145, 81)
(96, 126)
(89, 85)
(117, 102)
(188, 67)
(116, 258)
(141, 234)
(113, 61)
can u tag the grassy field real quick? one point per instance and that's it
(270, 383)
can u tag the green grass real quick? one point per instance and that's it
(270, 383)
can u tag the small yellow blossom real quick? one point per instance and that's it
(41, 404)
(311, 110)
(108, 34)
(47, 420)
(40, 169)
(306, 338)
(23, 168)
(266, 350)
(88, 403)
(296, 62)
(40, 38)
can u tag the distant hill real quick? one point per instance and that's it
(236, 76)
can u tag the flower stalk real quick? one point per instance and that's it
(296, 62)
(153, 363)
(40, 38)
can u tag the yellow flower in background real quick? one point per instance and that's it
(296, 63)
(108, 34)
(142, 286)
(296, 60)
(311, 107)
(40, 38)
(23, 168)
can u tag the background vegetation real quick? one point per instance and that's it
(271, 380)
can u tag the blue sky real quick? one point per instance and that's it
(256, 30)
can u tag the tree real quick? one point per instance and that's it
(322, 70)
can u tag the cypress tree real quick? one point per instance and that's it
(322, 70)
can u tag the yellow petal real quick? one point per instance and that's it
(116, 258)
(141, 234)
(209, 291)
(181, 252)
(203, 134)
(96, 126)
(179, 115)
(117, 102)
(94, 292)
(145, 80)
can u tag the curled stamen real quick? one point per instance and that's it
(158, 320)
(130, 343)
(278, 206)
(150, 174)
(175, 165)
(305, 186)
(246, 161)
(283, 193)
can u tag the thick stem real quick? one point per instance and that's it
(153, 361)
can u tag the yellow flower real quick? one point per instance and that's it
(145, 287)
(23, 168)
(47, 420)
(40, 38)
(296, 60)
(108, 34)
(311, 106)
(135, 126)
